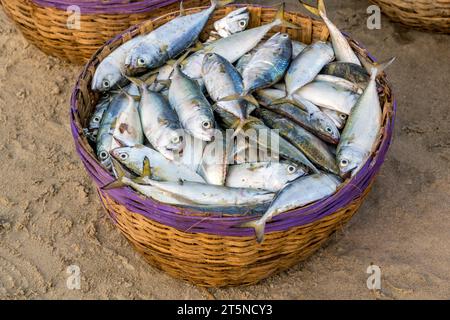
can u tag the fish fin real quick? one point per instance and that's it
(249, 98)
(135, 98)
(320, 10)
(120, 173)
(289, 101)
(280, 19)
(233, 97)
(171, 62)
(138, 82)
(259, 226)
(221, 3)
(197, 47)
(182, 10)
(181, 59)
(165, 83)
(151, 79)
(147, 170)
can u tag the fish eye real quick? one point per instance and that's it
(344, 163)
(329, 130)
(141, 61)
(292, 169)
(285, 35)
(343, 116)
(97, 119)
(104, 155)
(123, 156)
(106, 84)
(176, 140)
(242, 23)
(207, 124)
(210, 55)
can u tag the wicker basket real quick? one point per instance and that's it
(431, 15)
(44, 23)
(207, 249)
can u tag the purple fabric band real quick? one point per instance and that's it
(106, 6)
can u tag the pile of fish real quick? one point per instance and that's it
(168, 104)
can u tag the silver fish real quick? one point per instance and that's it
(168, 41)
(297, 194)
(161, 168)
(223, 80)
(270, 176)
(348, 71)
(96, 118)
(205, 194)
(160, 122)
(193, 109)
(315, 149)
(363, 127)
(344, 84)
(233, 47)
(236, 21)
(313, 120)
(269, 64)
(306, 67)
(110, 71)
(266, 139)
(344, 52)
(120, 120)
(330, 96)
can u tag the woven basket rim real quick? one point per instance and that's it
(106, 7)
(168, 214)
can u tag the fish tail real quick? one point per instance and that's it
(251, 99)
(220, 3)
(120, 174)
(374, 68)
(259, 226)
(320, 10)
(378, 68)
(280, 19)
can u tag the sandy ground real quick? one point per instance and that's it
(50, 217)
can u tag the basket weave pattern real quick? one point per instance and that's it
(206, 248)
(431, 15)
(44, 23)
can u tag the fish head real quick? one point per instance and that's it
(290, 171)
(349, 161)
(172, 140)
(143, 57)
(104, 158)
(327, 127)
(106, 77)
(203, 128)
(295, 171)
(235, 22)
(130, 157)
(94, 124)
